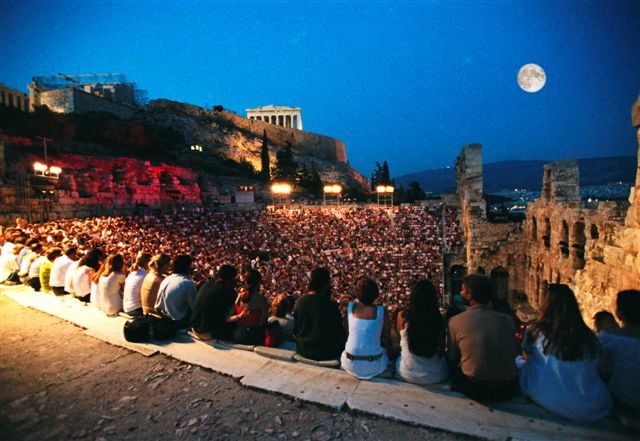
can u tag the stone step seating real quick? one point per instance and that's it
(277, 370)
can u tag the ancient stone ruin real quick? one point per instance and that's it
(596, 251)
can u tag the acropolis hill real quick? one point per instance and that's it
(146, 160)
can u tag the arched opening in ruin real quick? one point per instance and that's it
(578, 242)
(547, 233)
(564, 241)
(456, 274)
(594, 232)
(500, 287)
(534, 229)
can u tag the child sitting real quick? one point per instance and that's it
(280, 311)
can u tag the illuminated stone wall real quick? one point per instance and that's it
(91, 186)
(490, 248)
(78, 101)
(596, 251)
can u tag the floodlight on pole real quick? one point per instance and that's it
(331, 190)
(385, 192)
(41, 169)
(281, 189)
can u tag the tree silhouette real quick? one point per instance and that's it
(265, 173)
(415, 192)
(286, 168)
(380, 175)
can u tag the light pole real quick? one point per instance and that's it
(48, 176)
(385, 193)
(331, 190)
(281, 190)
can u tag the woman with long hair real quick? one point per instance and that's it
(158, 267)
(131, 299)
(422, 337)
(111, 284)
(250, 311)
(559, 367)
(88, 265)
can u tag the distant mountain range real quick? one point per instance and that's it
(506, 175)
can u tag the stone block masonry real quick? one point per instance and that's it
(594, 251)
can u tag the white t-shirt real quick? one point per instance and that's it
(82, 280)
(132, 285)
(110, 293)
(59, 271)
(68, 278)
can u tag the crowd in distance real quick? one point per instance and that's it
(358, 285)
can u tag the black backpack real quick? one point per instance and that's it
(148, 327)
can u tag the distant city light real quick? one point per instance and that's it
(196, 148)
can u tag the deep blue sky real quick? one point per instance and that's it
(409, 82)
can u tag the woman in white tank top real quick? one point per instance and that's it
(364, 356)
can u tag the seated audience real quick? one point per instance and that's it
(83, 275)
(213, 305)
(158, 267)
(177, 293)
(422, 337)
(318, 328)
(111, 285)
(33, 274)
(622, 348)
(131, 299)
(59, 270)
(559, 368)
(281, 313)
(365, 353)
(34, 250)
(604, 321)
(482, 346)
(45, 268)
(9, 267)
(251, 310)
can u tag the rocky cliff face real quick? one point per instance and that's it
(99, 180)
(233, 137)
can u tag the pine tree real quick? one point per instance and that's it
(265, 172)
(286, 168)
(386, 177)
(415, 192)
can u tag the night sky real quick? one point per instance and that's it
(406, 82)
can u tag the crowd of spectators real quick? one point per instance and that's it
(393, 246)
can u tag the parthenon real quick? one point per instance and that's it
(280, 115)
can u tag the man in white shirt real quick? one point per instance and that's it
(59, 271)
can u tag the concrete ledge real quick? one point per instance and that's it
(275, 353)
(146, 349)
(309, 383)
(322, 363)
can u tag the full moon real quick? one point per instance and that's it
(531, 78)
